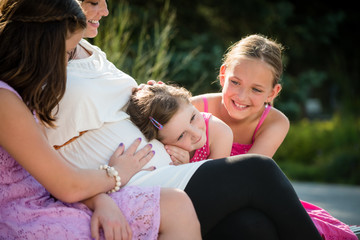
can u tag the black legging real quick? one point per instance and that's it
(250, 223)
(224, 188)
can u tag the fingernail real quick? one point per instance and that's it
(154, 167)
(150, 145)
(120, 145)
(139, 139)
(153, 152)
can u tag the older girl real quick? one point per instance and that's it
(249, 77)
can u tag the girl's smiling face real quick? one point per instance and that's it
(94, 11)
(246, 86)
(186, 129)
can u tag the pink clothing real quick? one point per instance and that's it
(238, 148)
(204, 152)
(329, 227)
(28, 211)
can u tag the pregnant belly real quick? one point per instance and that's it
(95, 147)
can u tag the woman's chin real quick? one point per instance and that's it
(90, 34)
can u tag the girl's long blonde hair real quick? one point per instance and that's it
(257, 47)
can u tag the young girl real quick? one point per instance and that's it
(164, 112)
(249, 77)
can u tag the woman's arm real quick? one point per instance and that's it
(220, 138)
(21, 138)
(271, 134)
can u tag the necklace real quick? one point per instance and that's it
(71, 54)
(79, 52)
(82, 52)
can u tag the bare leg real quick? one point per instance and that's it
(178, 216)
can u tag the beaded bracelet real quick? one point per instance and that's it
(111, 172)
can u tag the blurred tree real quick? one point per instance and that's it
(183, 41)
(321, 58)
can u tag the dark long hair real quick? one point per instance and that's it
(33, 49)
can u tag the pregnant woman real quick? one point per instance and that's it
(91, 123)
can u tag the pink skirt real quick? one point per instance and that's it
(329, 227)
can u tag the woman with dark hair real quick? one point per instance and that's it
(38, 188)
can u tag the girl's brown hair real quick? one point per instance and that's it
(260, 48)
(33, 49)
(159, 101)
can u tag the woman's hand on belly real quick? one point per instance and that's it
(129, 162)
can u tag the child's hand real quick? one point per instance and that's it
(178, 155)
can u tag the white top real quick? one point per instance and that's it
(95, 98)
(96, 91)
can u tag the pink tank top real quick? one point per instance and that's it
(329, 227)
(238, 148)
(204, 152)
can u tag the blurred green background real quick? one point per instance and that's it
(184, 41)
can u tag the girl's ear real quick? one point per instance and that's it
(273, 94)
(222, 75)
